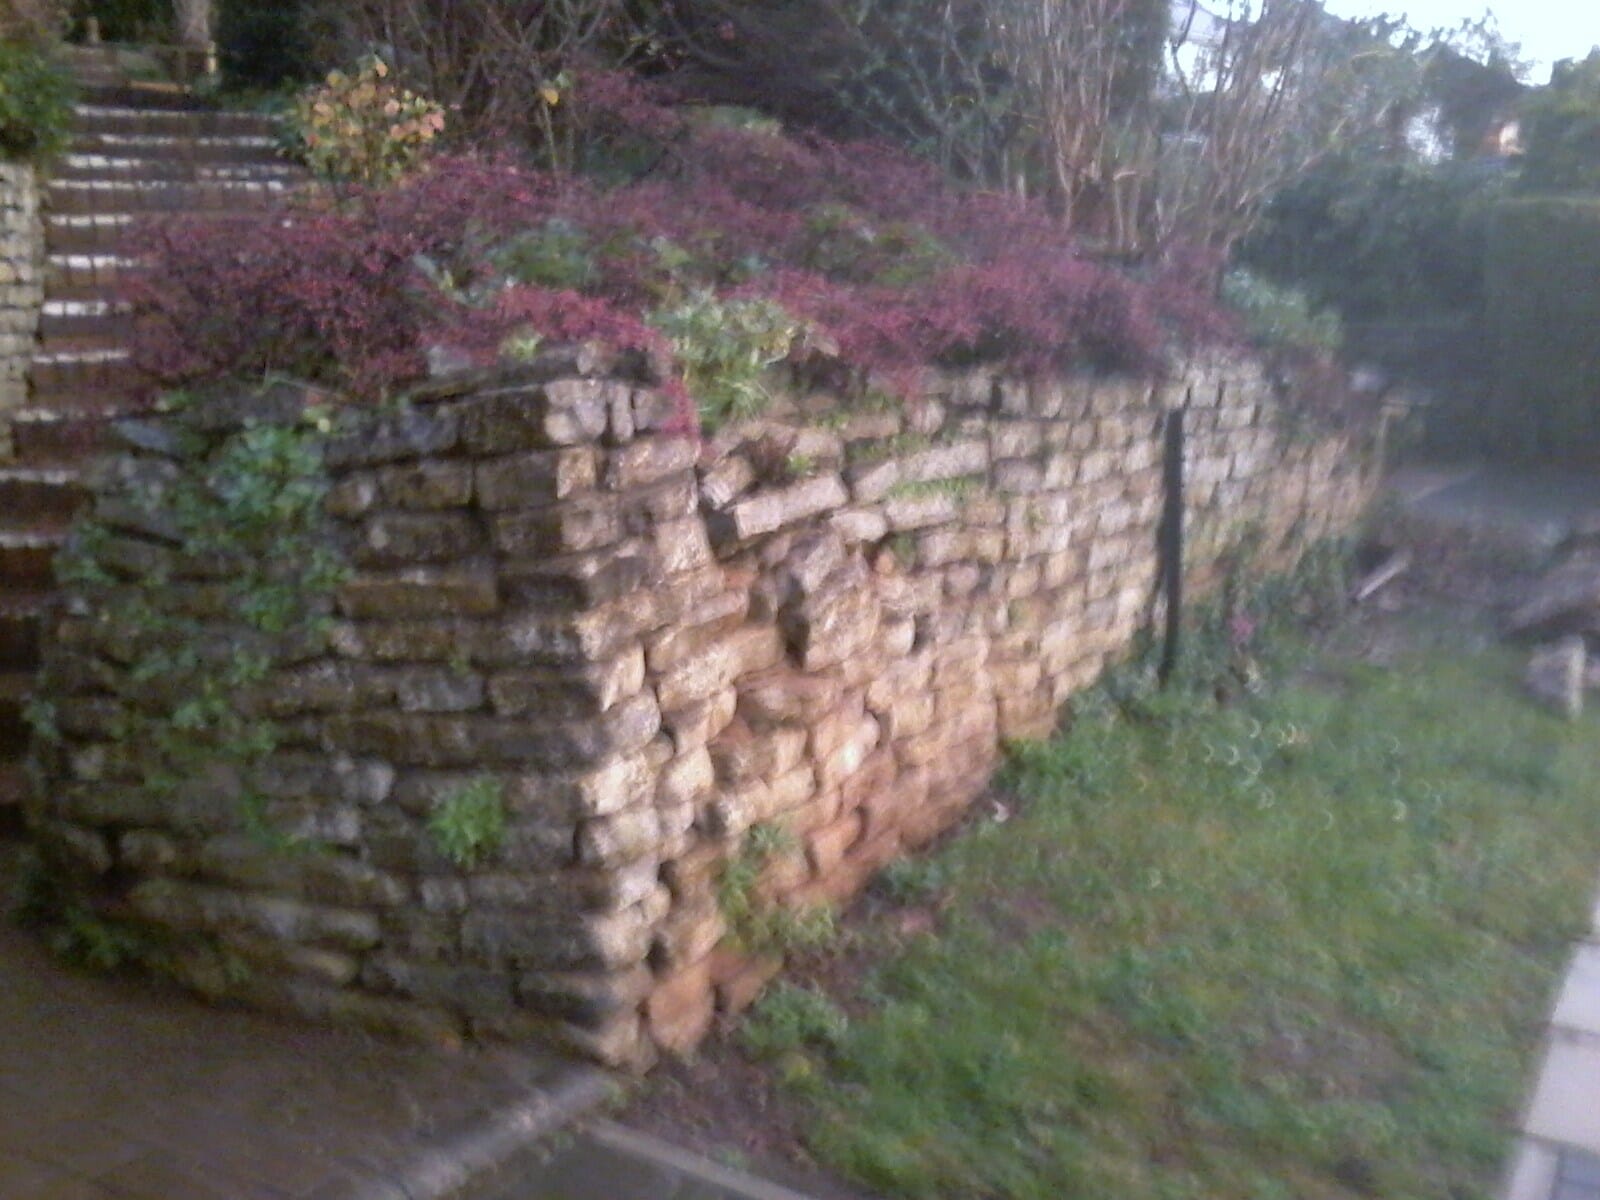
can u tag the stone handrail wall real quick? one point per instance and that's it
(652, 645)
(21, 287)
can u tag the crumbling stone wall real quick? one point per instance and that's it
(21, 287)
(825, 621)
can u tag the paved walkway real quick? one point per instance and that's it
(112, 1089)
(121, 1089)
(1558, 1155)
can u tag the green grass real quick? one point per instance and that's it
(1300, 947)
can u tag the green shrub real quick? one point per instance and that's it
(1561, 130)
(791, 1018)
(1380, 240)
(1543, 308)
(364, 128)
(36, 96)
(1280, 317)
(725, 348)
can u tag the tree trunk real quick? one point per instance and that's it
(194, 22)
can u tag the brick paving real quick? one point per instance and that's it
(112, 1089)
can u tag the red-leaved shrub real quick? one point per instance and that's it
(890, 269)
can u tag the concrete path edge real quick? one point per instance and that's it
(452, 1165)
(630, 1143)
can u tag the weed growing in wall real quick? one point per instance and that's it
(758, 923)
(470, 823)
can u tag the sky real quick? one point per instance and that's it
(1548, 30)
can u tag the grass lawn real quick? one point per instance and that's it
(1298, 947)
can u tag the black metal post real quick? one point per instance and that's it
(1172, 539)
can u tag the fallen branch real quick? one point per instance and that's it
(1393, 567)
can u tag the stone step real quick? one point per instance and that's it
(66, 321)
(93, 403)
(105, 168)
(101, 271)
(88, 196)
(47, 432)
(13, 786)
(212, 149)
(15, 688)
(30, 493)
(70, 371)
(82, 338)
(125, 119)
(86, 233)
(102, 88)
(22, 618)
(27, 556)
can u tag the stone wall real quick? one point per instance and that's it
(21, 287)
(650, 647)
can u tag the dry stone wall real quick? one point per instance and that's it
(21, 287)
(825, 622)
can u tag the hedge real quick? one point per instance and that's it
(1543, 314)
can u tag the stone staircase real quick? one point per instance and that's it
(138, 149)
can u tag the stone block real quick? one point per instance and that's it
(428, 484)
(648, 461)
(952, 461)
(767, 512)
(622, 837)
(681, 1008)
(693, 726)
(585, 997)
(438, 690)
(870, 482)
(920, 511)
(741, 753)
(875, 775)
(610, 941)
(572, 581)
(575, 525)
(475, 991)
(535, 479)
(740, 978)
(826, 847)
(580, 690)
(564, 412)
(782, 696)
(688, 934)
(199, 908)
(702, 626)
(465, 589)
(681, 545)
(407, 538)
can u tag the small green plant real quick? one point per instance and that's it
(556, 255)
(36, 97)
(248, 502)
(800, 466)
(363, 127)
(1281, 317)
(790, 1019)
(70, 927)
(913, 880)
(758, 923)
(723, 348)
(470, 823)
(916, 489)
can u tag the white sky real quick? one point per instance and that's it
(1548, 30)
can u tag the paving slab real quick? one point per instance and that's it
(1534, 1169)
(1566, 1100)
(122, 1089)
(1578, 1006)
